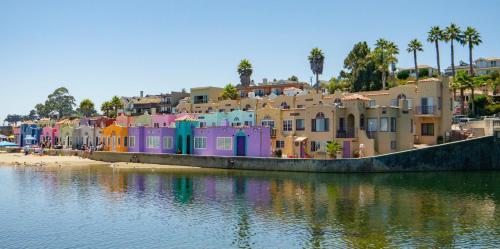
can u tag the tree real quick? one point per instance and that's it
(471, 38)
(117, 104)
(316, 60)
(463, 81)
(32, 115)
(13, 119)
(332, 148)
(42, 110)
(87, 108)
(61, 101)
(245, 71)
(333, 85)
(363, 74)
(451, 34)
(435, 35)
(106, 108)
(415, 46)
(293, 78)
(230, 92)
(385, 54)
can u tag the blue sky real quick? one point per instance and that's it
(102, 48)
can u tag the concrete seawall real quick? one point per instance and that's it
(475, 154)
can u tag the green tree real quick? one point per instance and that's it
(463, 81)
(42, 110)
(245, 70)
(293, 78)
(451, 34)
(106, 108)
(230, 92)
(316, 59)
(332, 148)
(471, 38)
(413, 47)
(61, 101)
(87, 108)
(117, 104)
(333, 85)
(435, 35)
(384, 55)
(403, 74)
(13, 119)
(363, 74)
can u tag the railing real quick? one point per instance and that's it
(426, 109)
(349, 133)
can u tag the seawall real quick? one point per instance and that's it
(474, 154)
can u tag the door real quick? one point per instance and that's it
(113, 143)
(302, 149)
(240, 146)
(346, 149)
(179, 145)
(188, 144)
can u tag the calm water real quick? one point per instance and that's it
(101, 208)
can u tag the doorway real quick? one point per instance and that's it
(188, 144)
(241, 146)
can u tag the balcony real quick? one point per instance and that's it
(426, 110)
(346, 133)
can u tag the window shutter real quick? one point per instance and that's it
(313, 124)
(326, 124)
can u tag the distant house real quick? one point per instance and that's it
(487, 65)
(411, 70)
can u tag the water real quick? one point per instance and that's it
(97, 207)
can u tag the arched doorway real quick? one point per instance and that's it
(188, 144)
(241, 144)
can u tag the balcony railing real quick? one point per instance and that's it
(346, 133)
(426, 109)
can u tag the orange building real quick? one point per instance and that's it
(115, 138)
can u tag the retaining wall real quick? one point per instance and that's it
(475, 154)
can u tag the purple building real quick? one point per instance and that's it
(151, 140)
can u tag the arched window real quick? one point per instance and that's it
(320, 123)
(401, 96)
(320, 115)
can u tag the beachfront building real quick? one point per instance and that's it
(114, 138)
(29, 134)
(486, 66)
(66, 129)
(49, 135)
(267, 88)
(235, 118)
(169, 101)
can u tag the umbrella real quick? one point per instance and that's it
(8, 144)
(12, 137)
(2, 136)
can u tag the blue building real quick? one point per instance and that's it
(29, 134)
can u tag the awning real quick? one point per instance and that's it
(300, 139)
(29, 138)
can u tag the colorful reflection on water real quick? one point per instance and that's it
(97, 207)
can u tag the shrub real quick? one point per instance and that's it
(423, 73)
(278, 153)
(403, 75)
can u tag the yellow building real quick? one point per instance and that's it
(114, 138)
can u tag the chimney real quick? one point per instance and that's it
(142, 94)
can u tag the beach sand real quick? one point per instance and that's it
(19, 159)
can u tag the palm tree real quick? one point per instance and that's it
(87, 107)
(464, 81)
(245, 71)
(472, 38)
(414, 46)
(452, 33)
(316, 60)
(116, 104)
(106, 107)
(385, 54)
(230, 92)
(435, 35)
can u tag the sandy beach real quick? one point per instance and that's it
(19, 159)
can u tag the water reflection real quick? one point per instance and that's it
(292, 210)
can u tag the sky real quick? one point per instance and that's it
(98, 49)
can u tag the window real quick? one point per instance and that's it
(131, 142)
(394, 102)
(320, 123)
(203, 124)
(315, 146)
(372, 124)
(152, 142)
(287, 125)
(248, 123)
(300, 106)
(393, 124)
(119, 140)
(299, 124)
(372, 103)
(168, 142)
(284, 105)
(125, 141)
(200, 99)
(268, 123)
(384, 126)
(427, 129)
(280, 144)
(156, 125)
(200, 142)
(224, 143)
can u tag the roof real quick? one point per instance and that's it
(355, 96)
(186, 118)
(148, 100)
